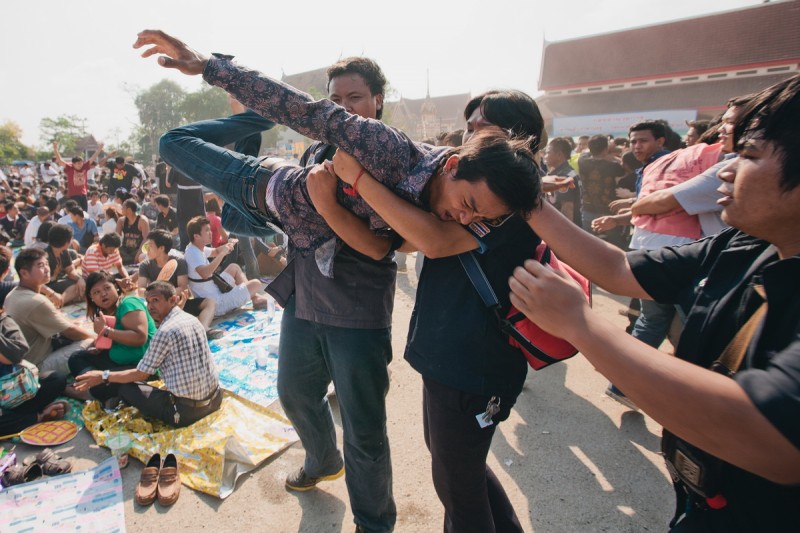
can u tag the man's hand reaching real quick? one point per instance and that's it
(174, 53)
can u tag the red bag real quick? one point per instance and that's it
(540, 348)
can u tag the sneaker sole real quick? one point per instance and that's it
(330, 477)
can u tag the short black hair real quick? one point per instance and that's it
(76, 210)
(131, 204)
(164, 288)
(561, 144)
(59, 235)
(162, 200)
(655, 127)
(511, 110)
(161, 238)
(43, 233)
(26, 258)
(507, 166)
(111, 240)
(364, 67)
(773, 115)
(598, 144)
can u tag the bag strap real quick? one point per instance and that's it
(486, 292)
(734, 352)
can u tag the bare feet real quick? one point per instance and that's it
(260, 301)
(53, 411)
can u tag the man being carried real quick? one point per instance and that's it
(179, 351)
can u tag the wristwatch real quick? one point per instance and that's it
(106, 374)
(106, 331)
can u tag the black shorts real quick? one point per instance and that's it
(62, 284)
(193, 306)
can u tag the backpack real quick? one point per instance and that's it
(540, 348)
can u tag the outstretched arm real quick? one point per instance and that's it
(385, 152)
(729, 426)
(57, 154)
(603, 263)
(96, 154)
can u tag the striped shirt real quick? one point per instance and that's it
(179, 349)
(94, 260)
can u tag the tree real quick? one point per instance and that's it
(207, 103)
(159, 110)
(66, 129)
(11, 146)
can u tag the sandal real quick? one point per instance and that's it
(50, 463)
(19, 474)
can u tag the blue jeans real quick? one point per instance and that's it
(311, 355)
(653, 323)
(198, 151)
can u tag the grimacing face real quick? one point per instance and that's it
(461, 200)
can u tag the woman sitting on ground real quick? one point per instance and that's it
(41, 407)
(130, 332)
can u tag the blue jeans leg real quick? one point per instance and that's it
(311, 356)
(197, 151)
(653, 323)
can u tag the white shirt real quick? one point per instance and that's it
(31, 231)
(196, 257)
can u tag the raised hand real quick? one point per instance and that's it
(174, 53)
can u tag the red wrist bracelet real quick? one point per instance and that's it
(351, 190)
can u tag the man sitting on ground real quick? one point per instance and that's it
(158, 247)
(64, 279)
(200, 271)
(84, 230)
(134, 229)
(179, 351)
(39, 319)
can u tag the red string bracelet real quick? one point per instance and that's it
(351, 190)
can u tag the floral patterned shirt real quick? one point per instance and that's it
(385, 152)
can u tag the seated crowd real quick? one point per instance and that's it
(140, 318)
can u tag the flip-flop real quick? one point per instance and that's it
(50, 463)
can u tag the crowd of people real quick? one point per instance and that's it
(700, 232)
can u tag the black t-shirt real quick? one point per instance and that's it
(58, 265)
(121, 177)
(599, 181)
(453, 337)
(150, 270)
(723, 269)
(168, 222)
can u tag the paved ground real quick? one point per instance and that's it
(571, 459)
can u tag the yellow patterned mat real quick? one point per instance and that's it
(213, 452)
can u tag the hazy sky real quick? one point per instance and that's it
(76, 58)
